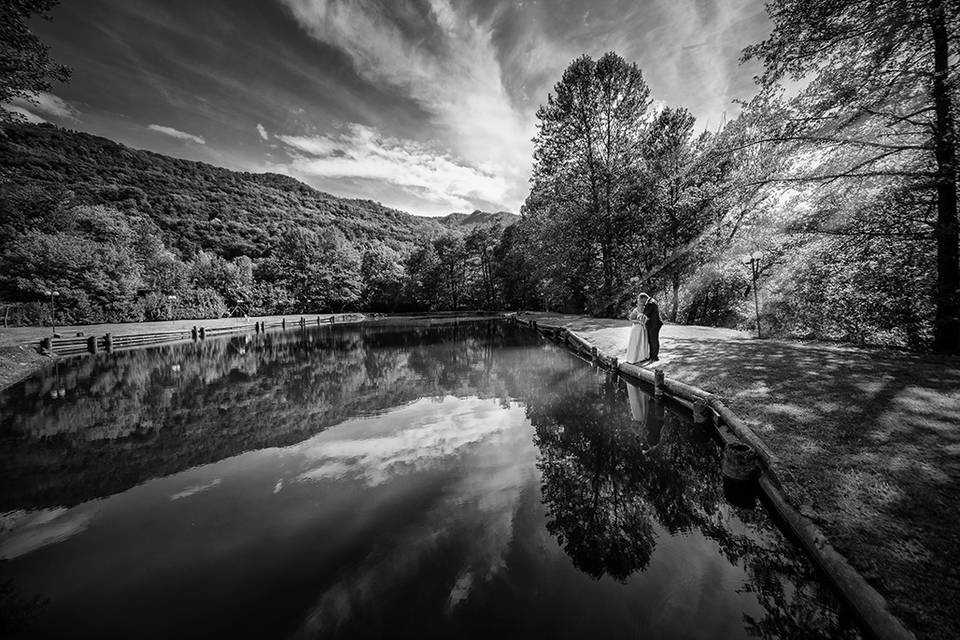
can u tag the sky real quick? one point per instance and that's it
(427, 106)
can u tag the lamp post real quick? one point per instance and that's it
(753, 261)
(53, 295)
(170, 300)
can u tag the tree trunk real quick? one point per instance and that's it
(946, 333)
(675, 302)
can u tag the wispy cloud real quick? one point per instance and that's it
(195, 489)
(491, 451)
(362, 152)
(459, 78)
(22, 532)
(455, 76)
(176, 133)
(38, 107)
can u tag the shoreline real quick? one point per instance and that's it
(19, 346)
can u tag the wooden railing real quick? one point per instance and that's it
(109, 342)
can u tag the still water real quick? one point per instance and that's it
(425, 480)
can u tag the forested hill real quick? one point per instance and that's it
(196, 205)
(480, 218)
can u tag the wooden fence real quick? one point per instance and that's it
(89, 344)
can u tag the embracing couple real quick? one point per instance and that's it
(644, 341)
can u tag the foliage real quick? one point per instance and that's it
(194, 206)
(320, 271)
(383, 277)
(583, 164)
(879, 107)
(712, 296)
(25, 64)
(221, 242)
(873, 293)
(87, 257)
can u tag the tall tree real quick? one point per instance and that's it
(321, 271)
(883, 82)
(25, 64)
(481, 243)
(673, 175)
(589, 132)
(383, 278)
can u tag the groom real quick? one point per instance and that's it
(652, 310)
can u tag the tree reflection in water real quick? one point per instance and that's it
(131, 416)
(619, 471)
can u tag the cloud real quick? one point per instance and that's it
(445, 60)
(195, 489)
(466, 429)
(23, 532)
(176, 133)
(487, 457)
(37, 107)
(364, 153)
(262, 130)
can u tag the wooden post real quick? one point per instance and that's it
(303, 321)
(203, 333)
(92, 344)
(194, 334)
(108, 342)
(283, 323)
(614, 364)
(593, 353)
(739, 462)
(533, 325)
(658, 383)
(318, 321)
(46, 345)
(701, 412)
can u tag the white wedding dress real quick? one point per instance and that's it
(638, 347)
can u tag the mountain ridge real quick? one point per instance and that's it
(479, 218)
(197, 205)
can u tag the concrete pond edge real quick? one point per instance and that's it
(870, 607)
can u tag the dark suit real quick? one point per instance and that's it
(652, 311)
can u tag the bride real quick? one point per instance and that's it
(638, 348)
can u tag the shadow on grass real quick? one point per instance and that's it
(872, 438)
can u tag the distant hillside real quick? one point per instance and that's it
(196, 205)
(479, 218)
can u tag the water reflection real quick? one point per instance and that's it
(140, 414)
(615, 483)
(456, 480)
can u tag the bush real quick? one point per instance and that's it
(712, 297)
(876, 293)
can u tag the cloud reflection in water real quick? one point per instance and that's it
(487, 451)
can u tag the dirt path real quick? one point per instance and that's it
(870, 437)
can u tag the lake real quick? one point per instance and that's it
(422, 479)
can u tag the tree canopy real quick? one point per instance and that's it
(25, 64)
